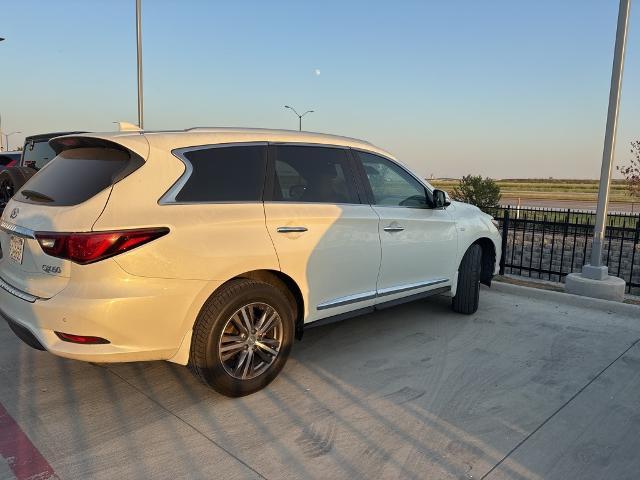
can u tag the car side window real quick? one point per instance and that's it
(313, 174)
(391, 184)
(225, 174)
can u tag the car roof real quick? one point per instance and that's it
(174, 139)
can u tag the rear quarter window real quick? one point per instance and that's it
(76, 175)
(225, 174)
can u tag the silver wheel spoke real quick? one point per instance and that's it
(268, 323)
(261, 320)
(241, 358)
(238, 324)
(266, 348)
(263, 356)
(248, 364)
(229, 355)
(231, 338)
(246, 319)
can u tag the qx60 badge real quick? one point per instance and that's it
(14, 213)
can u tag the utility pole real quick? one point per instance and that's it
(595, 281)
(139, 63)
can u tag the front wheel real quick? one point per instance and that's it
(468, 290)
(242, 337)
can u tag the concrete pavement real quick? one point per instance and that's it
(534, 385)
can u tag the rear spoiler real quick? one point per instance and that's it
(60, 144)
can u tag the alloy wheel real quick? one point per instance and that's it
(250, 341)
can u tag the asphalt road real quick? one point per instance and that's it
(624, 207)
(534, 385)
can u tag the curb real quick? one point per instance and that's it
(569, 299)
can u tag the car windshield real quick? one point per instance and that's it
(38, 154)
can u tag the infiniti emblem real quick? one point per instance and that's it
(14, 213)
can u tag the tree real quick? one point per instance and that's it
(631, 172)
(478, 191)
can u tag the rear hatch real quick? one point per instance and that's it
(67, 195)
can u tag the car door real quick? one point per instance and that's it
(325, 237)
(419, 243)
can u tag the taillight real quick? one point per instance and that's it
(90, 247)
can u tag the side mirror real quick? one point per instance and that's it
(440, 199)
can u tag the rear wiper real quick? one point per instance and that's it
(37, 196)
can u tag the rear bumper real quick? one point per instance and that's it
(143, 318)
(23, 333)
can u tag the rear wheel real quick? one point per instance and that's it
(11, 180)
(242, 337)
(468, 290)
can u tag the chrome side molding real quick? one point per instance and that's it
(361, 297)
(338, 302)
(410, 286)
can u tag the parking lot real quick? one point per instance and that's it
(534, 385)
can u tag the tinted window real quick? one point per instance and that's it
(391, 184)
(313, 174)
(225, 174)
(76, 175)
(38, 154)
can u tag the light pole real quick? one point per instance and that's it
(595, 281)
(139, 62)
(6, 138)
(1, 40)
(298, 115)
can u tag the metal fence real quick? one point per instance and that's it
(550, 243)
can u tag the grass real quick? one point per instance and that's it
(552, 189)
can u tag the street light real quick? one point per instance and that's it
(139, 62)
(6, 138)
(298, 115)
(595, 281)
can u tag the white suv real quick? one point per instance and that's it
(215, 247)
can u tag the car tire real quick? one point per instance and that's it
(231, 355)
(11, 180)
(468, 291)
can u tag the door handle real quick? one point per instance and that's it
(393, 228)
(291, 229)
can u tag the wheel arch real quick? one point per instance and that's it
(290, 288)
(488, 259)
(276, 278)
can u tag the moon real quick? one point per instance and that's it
(317, 72)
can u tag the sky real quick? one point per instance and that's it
(507, 89)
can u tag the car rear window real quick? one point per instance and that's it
(38, 154)
(76, 175)
(225, 174)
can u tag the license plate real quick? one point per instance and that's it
(16, 248)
